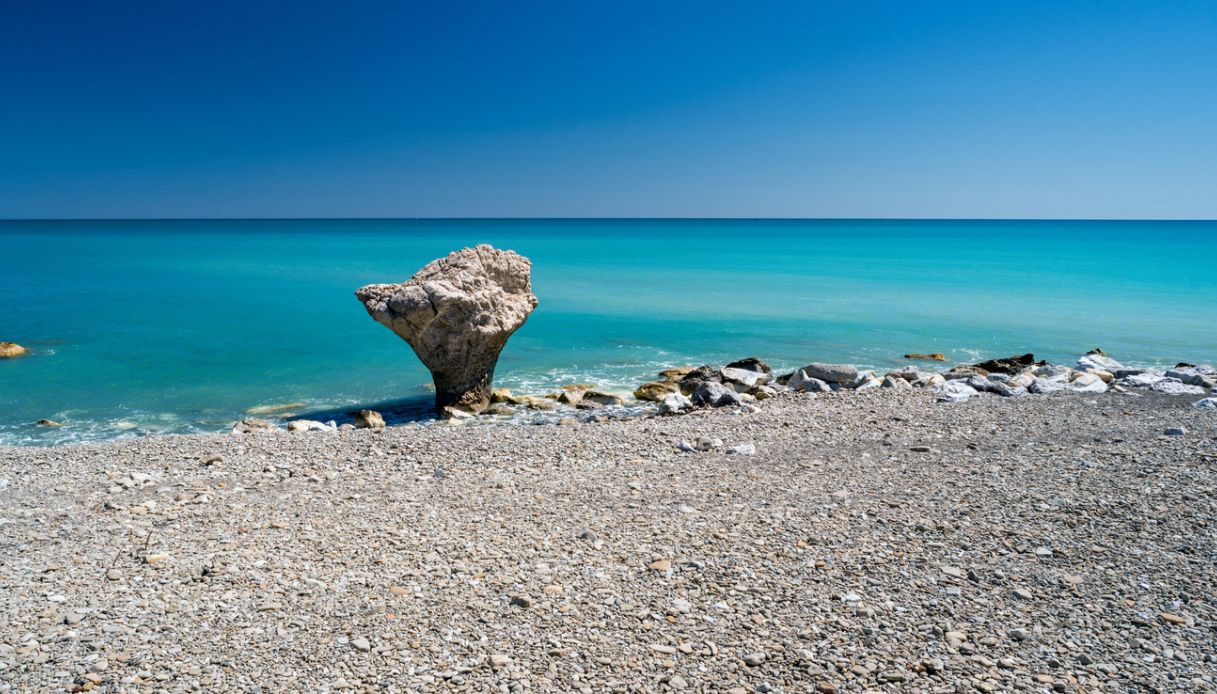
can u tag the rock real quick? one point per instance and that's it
(369, 419)
(503, 396)
(251, 425)
(10, 350)
(675, 373)
(742, 449)
(457, 314)
(1044, 386)
(1006, 390)
(744, 377)
(1107, 376)
(890, 381)
(929, 381)
(1140, 379)
(1203, 376)
(1173, 618)
(656, 391)
(842, 374)
(675, 404)
(49, 423)
(801, 382)
(361, 644)
(1085, 382)
(542, 404)
(677, 682)
(499, 409)
(1172, 386)
(954, 391)
(763, 392)
(1206, 404)
(754, 659)
(750, 364)
(1009, 365)
(1096, 360)
(1175, 431)
(694, 378)
(934, 356)
(660, 565)
(601, 398)
(308, 425)
(714, 394)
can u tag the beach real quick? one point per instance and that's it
(873, 540)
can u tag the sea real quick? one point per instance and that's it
(180, 326)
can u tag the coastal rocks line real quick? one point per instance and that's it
(745, 384)
(457, 313)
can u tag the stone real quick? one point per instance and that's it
(929, 381)
(11, 350)
(49, 423)
(1172, 386)
(602, 398)
(890, 381)
(457, 314)
(714, 394)
(677, 682)
(954, 391)
(1044, 386)
(842, 374)
(656, 391)
(744, 377)
(660, 565)
(251, 425)
(801, 382)
(750, 364)
(263, 410)
(361, 644)
(1203, 376)
(933, 356)
(675, 404)
(1009, 365)
(1206, 404)
(1170, 618)
(754, 659)
(1096, 360)
(1175, 431)
(1087, 383)
(1006, 390)
(369, 419)
(675, 373)
(307, 425)
(742, 449)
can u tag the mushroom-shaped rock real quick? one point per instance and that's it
(457, 313)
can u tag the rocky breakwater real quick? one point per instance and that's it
(457, 314)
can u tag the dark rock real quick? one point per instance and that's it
(750, 364)
(1009, 365)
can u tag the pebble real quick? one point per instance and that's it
(754, 659)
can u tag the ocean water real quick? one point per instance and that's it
(142, 327)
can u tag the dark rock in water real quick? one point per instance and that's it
(750, 364)
(1098, 351)
(1009, 365)
(934, 356)
(49, 423)
(714, 394)
(1184, 365)
(457, 313)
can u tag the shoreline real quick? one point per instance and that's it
(872, 539)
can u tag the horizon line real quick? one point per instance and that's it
(601, 218)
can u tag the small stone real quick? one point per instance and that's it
(498, 662)
(520, 601)
(826, 687)
(661, 648)
(1175, 431)
(754, 659)
(1022, 594)
(1018, 634)
(361, 644)
(156, 558)
(920, 449)
(114, 574)
(1173, 618)
(660, 565)
(677, 682)
(893, 676)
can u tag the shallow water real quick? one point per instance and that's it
(179, 326)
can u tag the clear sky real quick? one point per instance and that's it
(1055, 109)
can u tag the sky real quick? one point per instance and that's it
(363, 108)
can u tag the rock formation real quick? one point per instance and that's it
(9, 350)
(457, 313)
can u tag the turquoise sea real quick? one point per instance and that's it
(142, 327)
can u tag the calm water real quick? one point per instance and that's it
(170, 326)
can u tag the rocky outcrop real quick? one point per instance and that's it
(457, 313)
(9, 350)
(1009, 365)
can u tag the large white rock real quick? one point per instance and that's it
(1088, 383)
(457, 313)
(1206, 404)
(1100, 362)
(954, 391)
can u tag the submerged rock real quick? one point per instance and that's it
(457, 314)
(934, 356)
(8, 350)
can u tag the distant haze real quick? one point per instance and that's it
(1087, 109)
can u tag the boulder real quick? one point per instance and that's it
(1206, 404)
(890, 381)
(763, 392)
(933, 356)
(457, 314)
(8, 350)
(801, 382)
(1202, 376)
(750, 364)
(841, 374)
(656, 391)
(369, 419)
(1044, 386)
(745, 377)
(676, 373)
(1088, 383)
(1141, 379)
(1173, 386)
(714, 394)
(1097, 361)
(929, 381)
(1006, 390)
(867, 384)
(601, 398)
(308, 425)
(954, 391)
(675, 403)
(1009, 365)
(908, 373)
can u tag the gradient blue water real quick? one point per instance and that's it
(153, 326)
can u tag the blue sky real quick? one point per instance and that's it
(1102, 109)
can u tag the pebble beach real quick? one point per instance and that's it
(852, 541)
